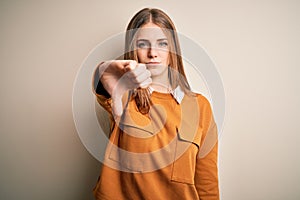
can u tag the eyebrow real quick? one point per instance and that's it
(161, 39)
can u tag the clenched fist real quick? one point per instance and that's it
(119, 76)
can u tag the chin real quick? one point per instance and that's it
(156, 72)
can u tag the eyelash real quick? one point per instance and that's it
(164, 44)
(143, 45)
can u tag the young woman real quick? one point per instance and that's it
(163, 140)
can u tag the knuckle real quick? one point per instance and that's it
(140, 67)
(148, 73)
(138, 79)
(131, 74)
(133, 62)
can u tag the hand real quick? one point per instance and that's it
(119, 76)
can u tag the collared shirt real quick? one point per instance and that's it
(177, 93)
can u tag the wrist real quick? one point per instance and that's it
(119, 91)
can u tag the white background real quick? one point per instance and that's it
(254, 44)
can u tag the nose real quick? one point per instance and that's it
(152, 52)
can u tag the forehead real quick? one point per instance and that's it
(150, 31)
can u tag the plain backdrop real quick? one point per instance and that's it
(254, 44)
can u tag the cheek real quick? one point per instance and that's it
(164, 55)
(141, 54)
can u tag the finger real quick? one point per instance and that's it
(120, 64)
(139, 69)
(141, 77)
(129, 64)
(114, 65)
(126, 62)
(117, 106)
(145, 83)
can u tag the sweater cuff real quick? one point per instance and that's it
(98, 88)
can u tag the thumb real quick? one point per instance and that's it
(117, 106)
(117, 95)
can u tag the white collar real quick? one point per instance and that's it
(177, 93)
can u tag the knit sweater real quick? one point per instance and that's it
(169, 153)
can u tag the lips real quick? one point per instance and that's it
(153, 63)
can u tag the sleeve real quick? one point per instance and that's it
(102, 96)
(206, 172)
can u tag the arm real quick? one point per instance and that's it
(103, 97)
(206, 172)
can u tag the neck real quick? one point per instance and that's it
(161, 83)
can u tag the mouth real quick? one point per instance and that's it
(153, 63)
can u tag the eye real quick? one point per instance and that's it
(163, 44)
(142, 45)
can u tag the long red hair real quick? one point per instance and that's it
(176, 75)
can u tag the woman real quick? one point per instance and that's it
(163, 140)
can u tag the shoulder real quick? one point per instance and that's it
(204, 108)
(197, 102)
(202, 101)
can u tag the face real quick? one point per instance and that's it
(152, 48)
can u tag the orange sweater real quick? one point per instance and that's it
(171, 153)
